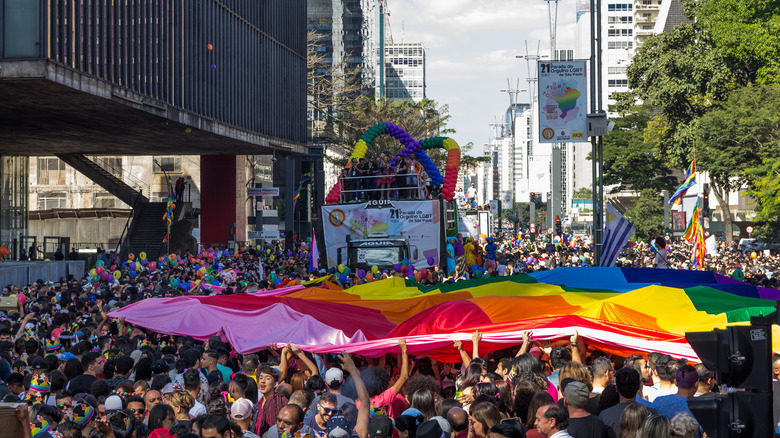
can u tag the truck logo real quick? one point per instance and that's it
(379, 203)
(336, 217)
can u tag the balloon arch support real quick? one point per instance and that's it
(414, 148)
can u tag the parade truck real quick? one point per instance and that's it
(403, 212)
(383, 233)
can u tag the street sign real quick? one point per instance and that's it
(549, 231)
(264, 234)
(533, 226)
(262, 191)
(749, 229)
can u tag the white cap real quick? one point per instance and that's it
(334, 374)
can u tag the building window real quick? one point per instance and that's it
(167, 164)
(620, 44)
(51, 171)
(106, 200)
(51, 200)
(617, 70)
(620, 32)
(615, 7)
(626, 19)
(617, 83)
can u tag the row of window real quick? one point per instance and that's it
(408, 51)
(614, 7)
(52, 170)
(625, 19)
(411, 62)
(57, 200)
(620, 45)
(617, 83)
(616, 70)
(620, 32)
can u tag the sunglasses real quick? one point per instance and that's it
(65, 405)
(138, 411)
(328, 411)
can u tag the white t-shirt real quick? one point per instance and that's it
(198, 409)
(472, 192)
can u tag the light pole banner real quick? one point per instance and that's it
(563, 102)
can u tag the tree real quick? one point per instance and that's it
(745, 33)
(629, 161)
(680, 76)
(739, 143)
(583, 193)
(647, 213)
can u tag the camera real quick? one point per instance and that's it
(274, 159)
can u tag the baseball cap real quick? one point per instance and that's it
(168, 388)
(577, 394)
(430, 429)
(381, 426)
(39, 363)
(338, 427)
(113, 403)
(445, 425)
(160, 366)
(241, 409)
(334, 374)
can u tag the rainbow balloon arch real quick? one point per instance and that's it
(414, 148)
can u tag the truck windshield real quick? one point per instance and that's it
(379, 256)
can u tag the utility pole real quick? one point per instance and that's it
(532, 80)
(513, 92)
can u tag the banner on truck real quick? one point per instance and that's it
(417, 221)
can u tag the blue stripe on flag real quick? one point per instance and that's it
(615, 238)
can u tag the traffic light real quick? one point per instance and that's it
(558, 227)
(741, 358)
(705, 205)
(532, 197)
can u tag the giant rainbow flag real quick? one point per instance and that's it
(620, 310)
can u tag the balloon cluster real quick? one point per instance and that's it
(411, 148)
(453, 163)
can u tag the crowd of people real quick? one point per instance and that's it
(78, 373)
(385, 178)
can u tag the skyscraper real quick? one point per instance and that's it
(405, 71)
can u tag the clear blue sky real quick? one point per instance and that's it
(470, 52)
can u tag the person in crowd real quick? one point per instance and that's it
(582, 424)
(552, 421)
(628, 382)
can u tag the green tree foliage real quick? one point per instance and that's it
(629, 161)
(681, 77)
(583, 193)
(740, 144)
(745, 33)
(647, 213)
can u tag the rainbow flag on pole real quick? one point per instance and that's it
(689, 180)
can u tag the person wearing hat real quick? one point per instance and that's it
(84, 415)
(581, 423)
(334, 378)
(241, 413)
(381, 426)
(430, 429)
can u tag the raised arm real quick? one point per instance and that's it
(403, 373)
(463, 355)
(576, 343)
(526, 343)
(283, 362)
(306, 361)
(475, 338)
(361, 427)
